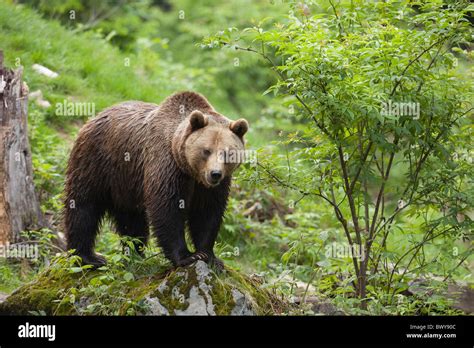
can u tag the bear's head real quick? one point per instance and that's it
(209, 146)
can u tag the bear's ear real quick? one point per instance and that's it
(239, 127)
(197, 120)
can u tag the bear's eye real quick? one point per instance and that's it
(206, 152)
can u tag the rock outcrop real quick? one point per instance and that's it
(64, 289)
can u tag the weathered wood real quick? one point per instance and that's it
(19, 206)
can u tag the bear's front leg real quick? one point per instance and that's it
(205, 218)
(169, 230)
(168, 221)
(166, 192)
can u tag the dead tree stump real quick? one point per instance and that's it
(19, 206)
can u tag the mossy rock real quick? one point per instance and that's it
(150, 290)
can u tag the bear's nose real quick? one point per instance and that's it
(216, 175)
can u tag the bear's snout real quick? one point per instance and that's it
(214, 177)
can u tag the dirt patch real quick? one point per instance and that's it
(463, 297)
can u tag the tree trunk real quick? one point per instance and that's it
(19, 206)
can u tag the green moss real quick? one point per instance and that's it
(63, 289)
(222, 295)
(175, 280)
(39, 295)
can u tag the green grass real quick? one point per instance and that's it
(89, 68)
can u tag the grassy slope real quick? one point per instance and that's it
(90, 69)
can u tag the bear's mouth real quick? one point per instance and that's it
(211, 184)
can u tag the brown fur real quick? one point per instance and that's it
(148, 164)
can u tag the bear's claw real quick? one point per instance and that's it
(202, 256)
(193, 258)
(95, 260)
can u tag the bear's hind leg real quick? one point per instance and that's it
(82, 223)
(132, 224)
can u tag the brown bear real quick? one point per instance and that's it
(160, 165)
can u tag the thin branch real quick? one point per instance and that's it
(339, 24)
(350, 198)
(359, 170)
(399, 80)
(416, 247)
